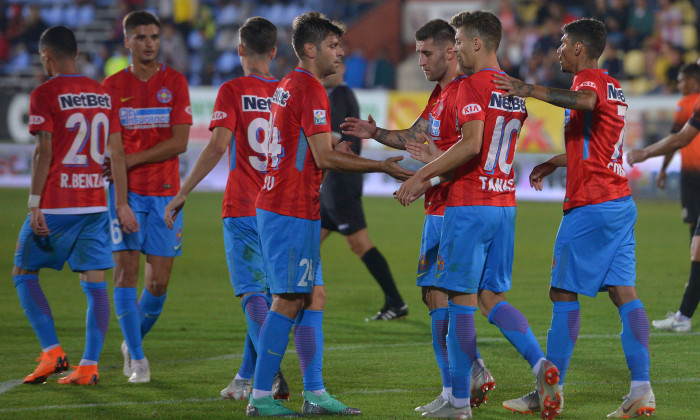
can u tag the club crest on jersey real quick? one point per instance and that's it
(255, 103)
(219, 115)
(319, 116)
(615, 94)
(280, 97)
(471, 109)
(510, 104)
(36, 119)
(164, 95)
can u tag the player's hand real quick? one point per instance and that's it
(539, 172)
(127, 220)
(359, 128)
(172, 210)
(344, 147)
(37, 222)
(661, 179)
(411, 190)
(636, 156)
(512, 86)
(392, 168)
(107, 169)
(424, 152)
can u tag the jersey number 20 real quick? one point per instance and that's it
(98, 130)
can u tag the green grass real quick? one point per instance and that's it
(386, 369)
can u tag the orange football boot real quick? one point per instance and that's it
(82, 375)
(50, 362)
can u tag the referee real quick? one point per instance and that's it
(341, 202)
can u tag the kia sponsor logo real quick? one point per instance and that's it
(219, 115)
(36, 119)
(471, 109)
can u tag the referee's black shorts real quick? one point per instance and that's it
(341, 207)
(690, 196)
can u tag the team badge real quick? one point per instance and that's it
(319, 117)
(164, 95)
(422, 263)
(440, 263)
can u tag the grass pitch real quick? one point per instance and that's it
(384, 368)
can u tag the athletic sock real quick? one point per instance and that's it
(635, 339)
(308, 339)
(691, 297)
(516, 329)
(255, 309)
(274, 337)
(36, 308)
(97, 318)
(461, 349)
(247, 369)
(127, 310)
(440, 321)
(151, 307)
(378, 267)
(562, 335)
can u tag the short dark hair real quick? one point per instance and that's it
(690, 70)
(590, 32)
(483, 24)
(313, 27)
(438, 30)
(258, 35)
(60, 41)
(139, 18)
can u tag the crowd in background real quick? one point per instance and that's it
(648, 40)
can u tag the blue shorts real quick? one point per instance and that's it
(595, 248)
(291, 250)
(153, 236)
(430, 241)
(476, 249)
(243, 256)
(80, 239)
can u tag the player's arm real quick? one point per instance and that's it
(464, 150)
(584, 100)
(542, 170)
(163, 150)
(327, 158)
(661, 176)
(41, 163)
(207, 160)
(668, 144)
(117, 164)
(392, 138)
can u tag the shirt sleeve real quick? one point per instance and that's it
(115, 125)
(40, 114)
(315, 112)
(182, 111)
(680, 116)
(470, 105)
(224, 109)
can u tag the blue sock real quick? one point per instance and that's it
(562, 335)
(36, 308)
(151, 307)
(440, 321)
(516, 329)
(635, 339)
(461, 347)
(274, 337)
(255, 308)
(97, 318)
(127, 310)
(247, 369)
(308, 340)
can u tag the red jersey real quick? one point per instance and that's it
(487, 178)
(594, 172)
(443, 130)
(690, 154)
(243, 106)
(147, 111)
(78, 112)
(300, 109)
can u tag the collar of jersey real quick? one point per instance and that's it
(492, 69)
(264, 79)
(300, 70)
(68, 75)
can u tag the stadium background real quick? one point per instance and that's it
(648, 41)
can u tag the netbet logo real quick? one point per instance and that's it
(510, 104)
(615, 94)
(256, 103)
(84, 100)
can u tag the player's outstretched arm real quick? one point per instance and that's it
(582, 100)
(327, 158)
(392, 138)
(117, 174)
(424, 152)
(163, 150)
(41, 162)
(542, 170)
(661, 176)
(207, 160)
(668, 144)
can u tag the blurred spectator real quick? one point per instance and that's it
(640, 24)
(669, 20)
(19, 59)
(613, 63)
(87, 68)
(173, 50)
(117, 62)
(616, 22)
(34, 26)
(355, 69)
(382, 73)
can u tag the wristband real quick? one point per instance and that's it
(434, 181)
(34, 201)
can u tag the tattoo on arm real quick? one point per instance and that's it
(398, 138)
(564, 98)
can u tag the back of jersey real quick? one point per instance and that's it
(79, 114)
(243, 106)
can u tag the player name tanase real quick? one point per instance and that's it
(504, 103)
(84, 100)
